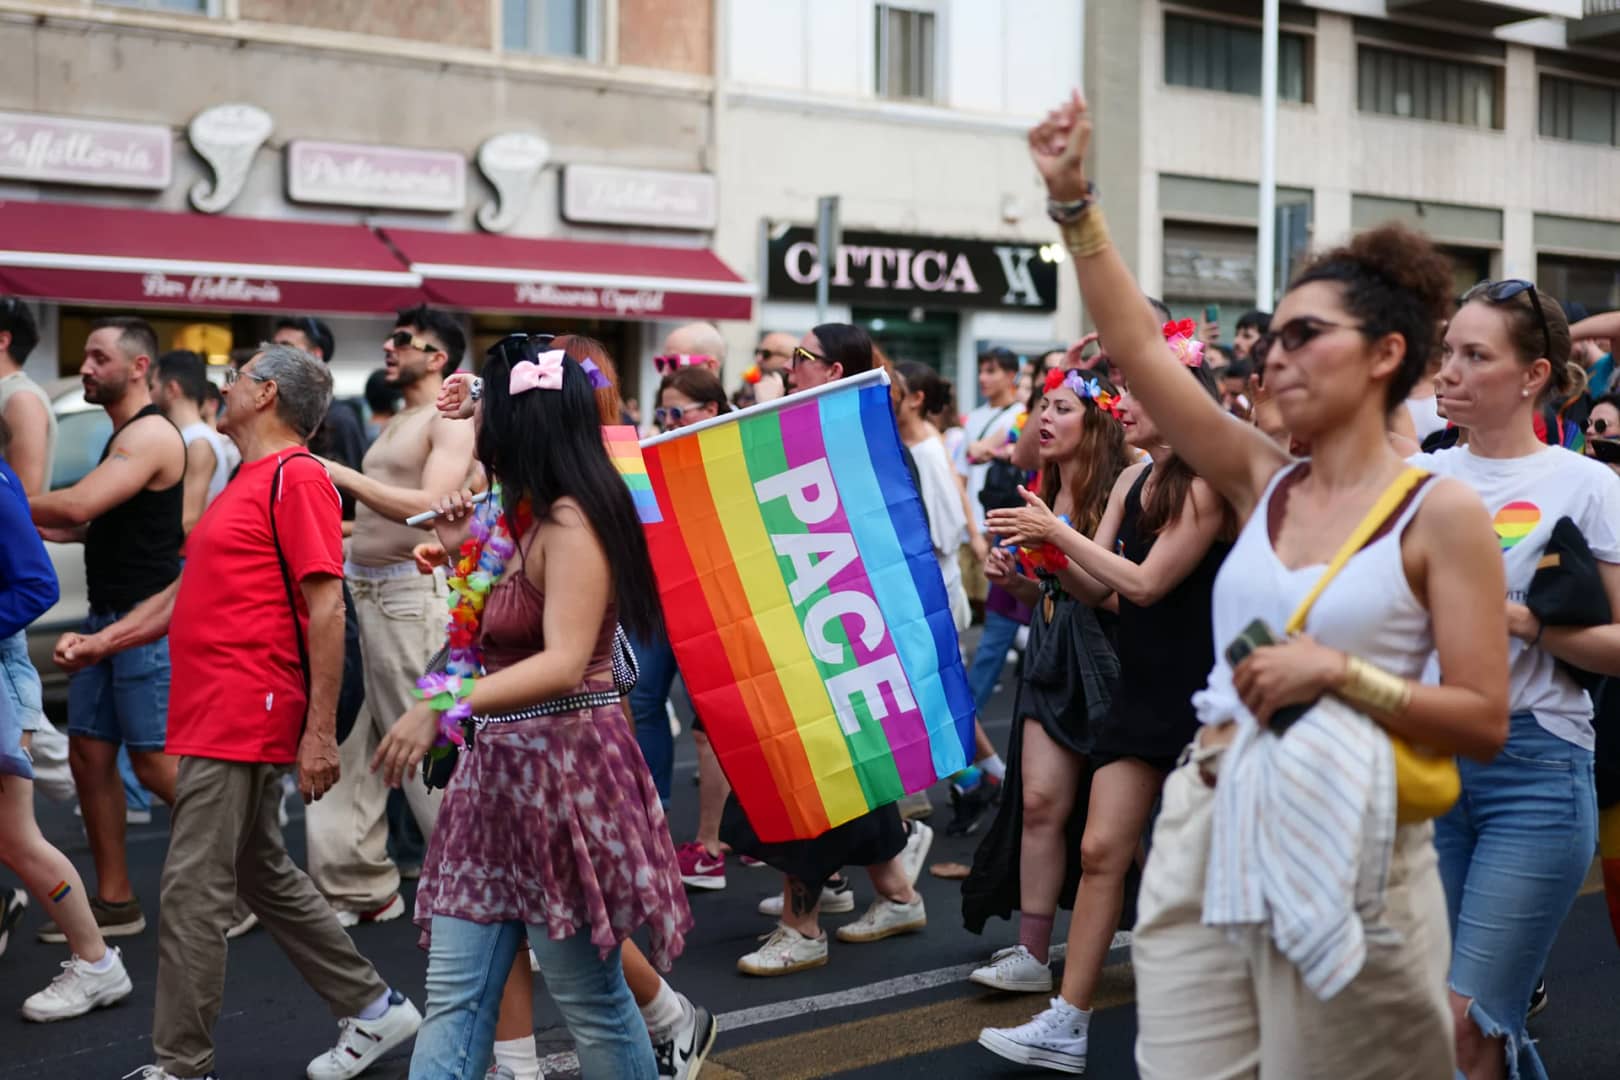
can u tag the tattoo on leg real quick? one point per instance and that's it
(801, 901)
(59, 893)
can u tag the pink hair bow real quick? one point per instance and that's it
(544, 372)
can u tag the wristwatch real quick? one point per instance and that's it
(475, 389)
(1065, 212)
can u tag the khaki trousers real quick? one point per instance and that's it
(225, 842)
(974, 582)
(402, 624)
(1213, 1008)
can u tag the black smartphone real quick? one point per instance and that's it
(1256, 635)
(1605, 450)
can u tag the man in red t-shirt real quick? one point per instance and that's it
(241, 709)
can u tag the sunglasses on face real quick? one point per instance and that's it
(404, 339)
(802, 355)
(667, 417)
(1293, 335)
(1601, 429)
(1503, 292)
(672, 362)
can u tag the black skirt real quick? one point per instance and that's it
(872, 838)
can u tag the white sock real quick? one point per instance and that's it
(994, 766)
(108, 959)
(663, 1013)
(1081, 1018)
(378, 1007)
(520, 1056)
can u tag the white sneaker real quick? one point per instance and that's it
(387, 913)
(680, 1057)
(79, 989)
(361, 1042)
(13, 902)
(885, 918)
(836, 898)
(1015, 969)
(915, 854)
(784, 952)
(154, 1072)
(1056, 1039)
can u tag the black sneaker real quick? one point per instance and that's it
(968, 808)
(114, 920)
(681, 1055)
(12, 905)
(1538, 997)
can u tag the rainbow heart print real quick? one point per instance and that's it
(1515, 521)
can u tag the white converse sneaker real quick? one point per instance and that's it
(1056, 1039)
(79, 989)
(885, 918)
(920, 839)
(1015, 969)
(361, 1042)
(784, 952)
(837, 897)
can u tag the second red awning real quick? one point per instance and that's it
(480, 272)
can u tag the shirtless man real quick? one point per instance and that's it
(127, 513)
(419, 456)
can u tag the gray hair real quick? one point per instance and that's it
(303, 386)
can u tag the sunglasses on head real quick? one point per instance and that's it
(515, 348)
(1293, 335)
(1503, 292)
(672, 362)
(404, 339)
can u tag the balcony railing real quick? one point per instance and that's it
(1489, 12)
(1599, 25)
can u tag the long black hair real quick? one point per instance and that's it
(545, 445)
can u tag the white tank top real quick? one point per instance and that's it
(1426, 418)
(222, 458)
(1367, 610)
(16, 383)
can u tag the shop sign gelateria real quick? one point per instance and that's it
(398, 178)
(57, 150)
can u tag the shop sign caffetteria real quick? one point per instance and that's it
(927, 271)
(57, 150)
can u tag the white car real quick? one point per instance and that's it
(82, 430)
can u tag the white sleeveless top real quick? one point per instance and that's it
(19, 383)
(222, 458)
(1368, 609)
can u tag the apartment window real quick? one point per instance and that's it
(552, 27)
(1428, 88)
(905, 53)
(1226, 56)
(1580, 111)
(190, 7)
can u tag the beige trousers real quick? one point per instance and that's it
(402, 624)
(1213, 1008)
(225, 842)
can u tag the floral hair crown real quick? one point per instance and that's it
(1183, 340)
(1085, 389)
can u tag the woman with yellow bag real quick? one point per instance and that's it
(1291, 922)
(1516, 847)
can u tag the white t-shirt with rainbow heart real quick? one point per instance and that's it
(1526, 496)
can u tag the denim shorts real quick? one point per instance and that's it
(124, 698)
(19, 682)
(1513, 854)
(14, 760)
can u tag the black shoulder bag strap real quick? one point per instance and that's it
(286, 571)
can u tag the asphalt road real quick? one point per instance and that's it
(896, 1009)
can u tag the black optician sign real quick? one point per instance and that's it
(927, 271)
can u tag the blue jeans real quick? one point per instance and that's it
(1513, 853)
(468, 964)
(658, 671)
(124, 698)
(135, 796)
(990, 657)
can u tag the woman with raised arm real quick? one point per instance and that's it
(1155, 556)
(1516, 848)
(1279, 868)
(1029, 860)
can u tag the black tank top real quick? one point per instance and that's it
(133, 550)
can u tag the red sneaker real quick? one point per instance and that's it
(699, 869)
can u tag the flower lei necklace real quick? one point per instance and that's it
(483, 559)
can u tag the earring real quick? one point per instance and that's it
(1524, 393)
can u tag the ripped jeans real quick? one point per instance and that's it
(1513, 853)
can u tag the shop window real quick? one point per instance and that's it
(189, 7)
(1593, 282)
(1428, 88)
(906, 48)
(916, 336)
(1469, 267)
(552, 27)
(1580, 111)
(1208, 55)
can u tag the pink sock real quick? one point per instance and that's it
(1035, 934)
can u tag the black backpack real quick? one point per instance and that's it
(1002, 480)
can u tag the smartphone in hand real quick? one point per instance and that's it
(1254, 636)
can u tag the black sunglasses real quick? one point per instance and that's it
(404, 339)
(1295, 334)
(515, 348)
(1502, 292)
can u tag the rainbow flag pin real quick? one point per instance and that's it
(624, 447)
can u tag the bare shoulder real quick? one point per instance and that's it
(568, 516)
(442, 430)
(1129, 476)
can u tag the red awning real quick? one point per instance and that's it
(481, 272)
(148, 258)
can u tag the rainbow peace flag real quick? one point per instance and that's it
(806, 608)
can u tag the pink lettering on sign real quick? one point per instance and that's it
(206, 289)
(349, 174)
(624, 302)
(54, 149)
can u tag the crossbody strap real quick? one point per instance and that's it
(992, 421)
(286, 571)
(1381, 511)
